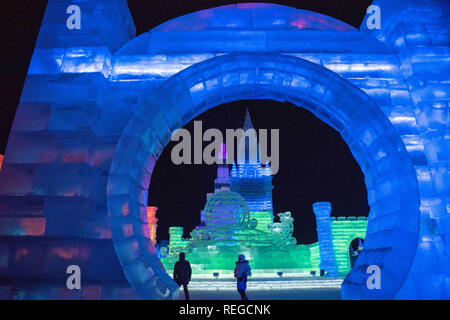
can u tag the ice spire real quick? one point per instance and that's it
(245, 150)
(247, 122)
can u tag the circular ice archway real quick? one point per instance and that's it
(391, 183)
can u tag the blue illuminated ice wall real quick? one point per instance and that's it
(99, 105)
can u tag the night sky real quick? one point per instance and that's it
(315, 164)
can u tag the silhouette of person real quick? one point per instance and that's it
(241, 272)
(182, 273)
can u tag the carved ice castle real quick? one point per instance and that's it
(238, 218)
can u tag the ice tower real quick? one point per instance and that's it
(222, 182)
(322, 211)
(252, 180)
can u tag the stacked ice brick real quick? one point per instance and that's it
(419, 33)
(344, 230)
(52, 187)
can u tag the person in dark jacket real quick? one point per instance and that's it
(182, 273)
(241, 272)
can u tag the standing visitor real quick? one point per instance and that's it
(182, 273)
(241, 272)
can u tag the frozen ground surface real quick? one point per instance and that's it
(268, 289)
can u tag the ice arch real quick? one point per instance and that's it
(390, 178)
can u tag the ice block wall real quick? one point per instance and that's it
(53, 184)
(419, 33)
(177, 243)
(84, 87)
(344, 230)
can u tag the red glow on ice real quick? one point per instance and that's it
(64, 252)
(33, 226)
(21, 253)
(125, 209)
(128, 230)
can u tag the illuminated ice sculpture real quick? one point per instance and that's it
(252, 180)
(99, 105)
(229, 227)
(229, 231)
(322, 211)
(226, 209)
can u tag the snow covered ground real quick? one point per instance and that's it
(268, 289)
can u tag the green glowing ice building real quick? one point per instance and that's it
(238, 218)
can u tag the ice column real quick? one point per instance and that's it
(327, 260)
(152, 222)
